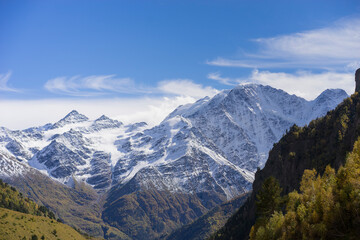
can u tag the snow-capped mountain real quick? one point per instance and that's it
(213, 146)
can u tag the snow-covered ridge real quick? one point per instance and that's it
(214, 145)
(70, 147)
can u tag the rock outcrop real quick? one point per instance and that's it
(357, 80)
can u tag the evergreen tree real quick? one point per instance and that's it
(327, 207)
(268, 198)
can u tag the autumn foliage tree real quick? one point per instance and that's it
(327, 206)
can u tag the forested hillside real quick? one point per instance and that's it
(327, 206)
(11, 199)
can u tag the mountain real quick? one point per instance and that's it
(200, 156)
(325, 141)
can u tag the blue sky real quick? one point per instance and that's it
(133, 56)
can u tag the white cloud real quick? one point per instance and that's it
(100, 85)
(160, 101)
(4, 78)
(302, 83)
(153, 109)
(224, 80)
(91, 85)
(332, 47)
(21, 114)
(275, 63)
(223, 62)
(340, 41)
(163, 99)
(185, 87)
(306, 84)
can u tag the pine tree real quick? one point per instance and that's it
(268, 198)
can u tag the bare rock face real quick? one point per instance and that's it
(357, 80)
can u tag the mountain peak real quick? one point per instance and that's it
(72, 117)
(334, 91)
(73, 112)
(105, 122)
(103, 118)
(333, 94)
(246, 85)
(75, 116)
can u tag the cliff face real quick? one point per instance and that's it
(357, 80)
(326, 141)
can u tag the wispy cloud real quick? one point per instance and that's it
(224, 80)
(305, 84)
(334, 47)
(4, 78)
(152, 108)
(105, 84)
(185, 87)
(91, 85)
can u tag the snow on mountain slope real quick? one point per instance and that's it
(175, 156)
(10, 166)
(72, 147)
(246, 121)
(212, 146)
(215, 144)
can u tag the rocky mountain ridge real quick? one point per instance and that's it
(221, 141)
(209, 149)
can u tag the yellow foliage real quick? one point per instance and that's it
(327, 206)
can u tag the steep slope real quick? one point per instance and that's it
(148, 214)
(209, 223)
(325, 141)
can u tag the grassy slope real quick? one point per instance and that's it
(16, 225)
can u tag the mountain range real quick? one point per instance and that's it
(148, 181)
